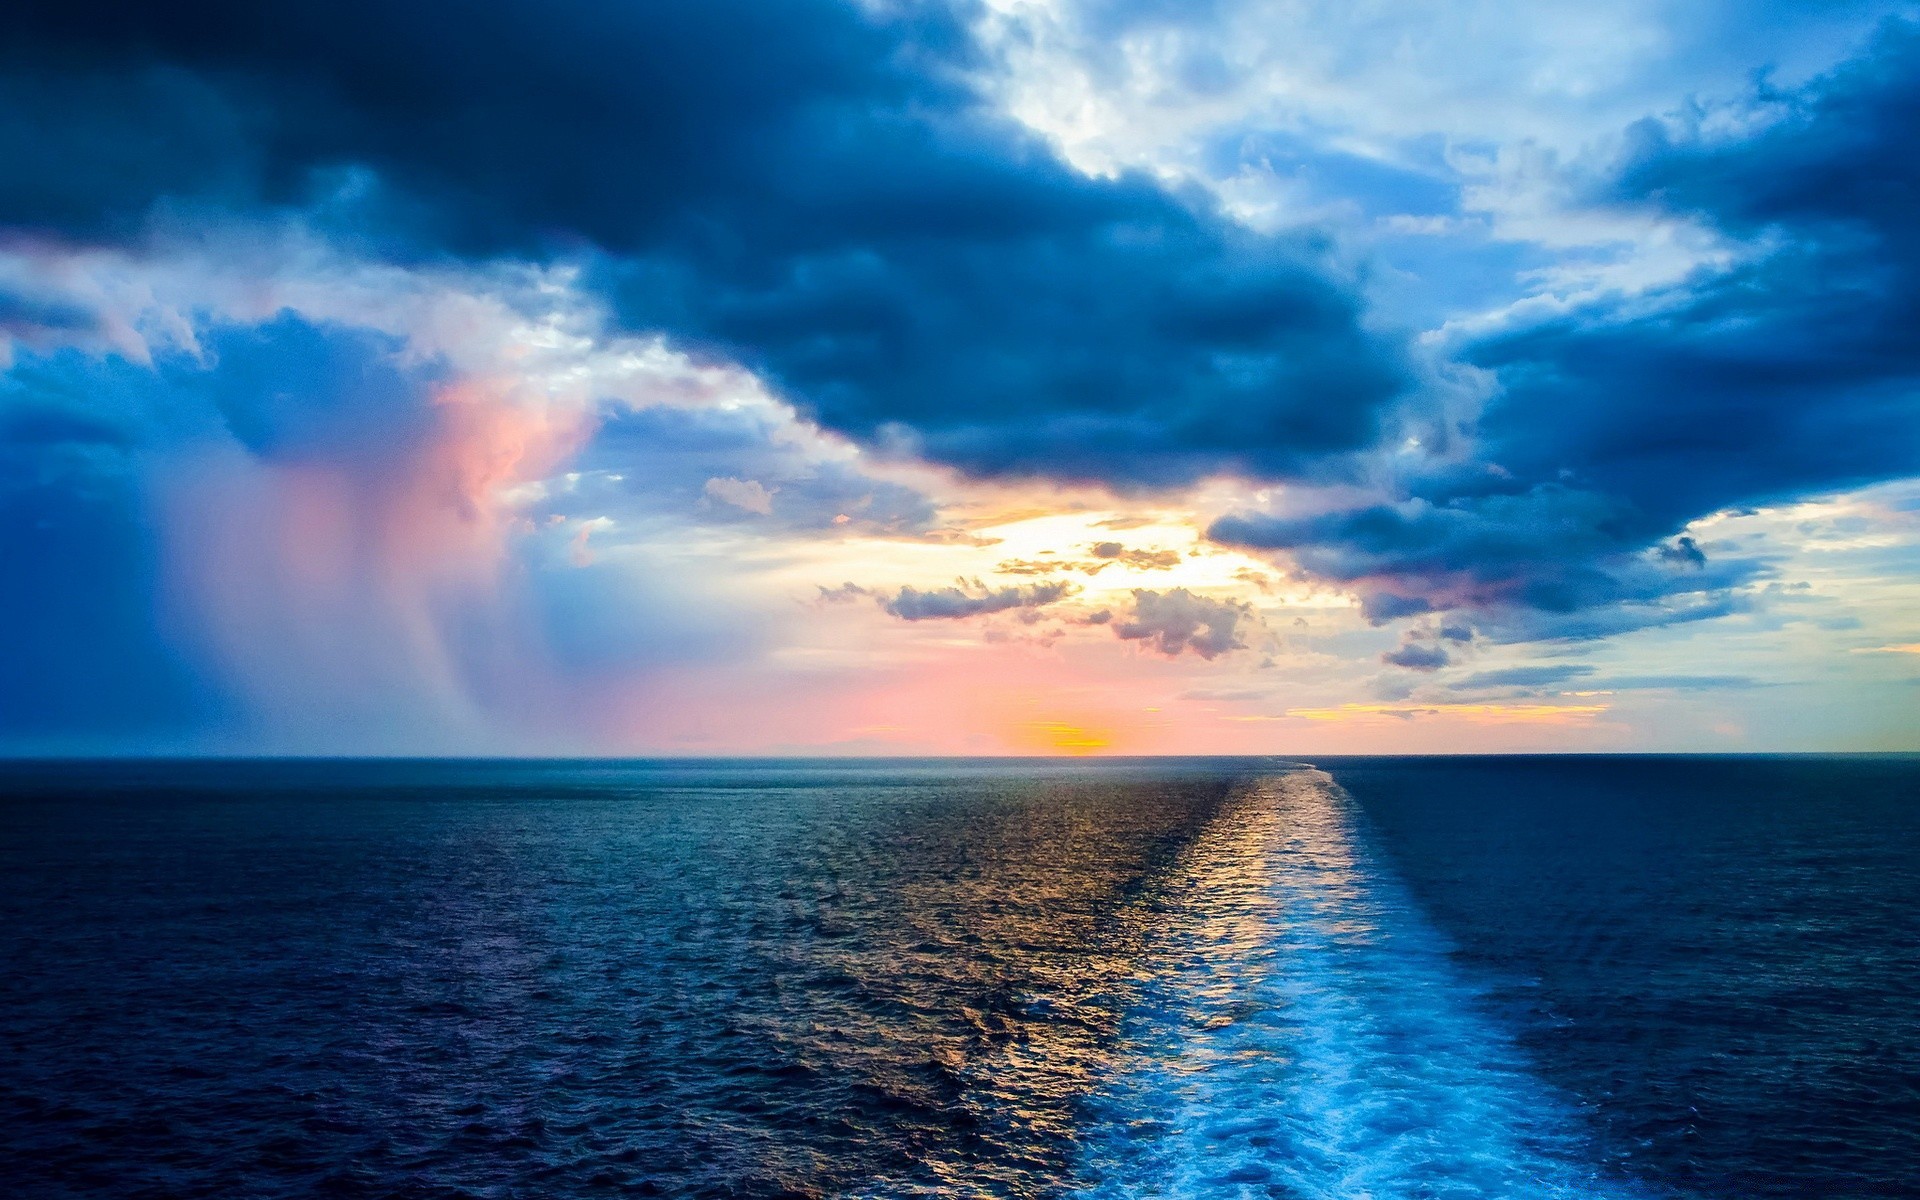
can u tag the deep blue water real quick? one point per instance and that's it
(1523, 977)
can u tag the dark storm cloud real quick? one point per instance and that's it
(515, 119)
(1794, 371)
(806, 188)
(1543, 557)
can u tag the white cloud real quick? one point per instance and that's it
(1506, 104)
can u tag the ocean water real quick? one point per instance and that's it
(1367, 978)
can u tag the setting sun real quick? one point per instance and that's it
(1061, 738)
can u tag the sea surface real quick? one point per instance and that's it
(1350, 978)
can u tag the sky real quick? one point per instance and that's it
(1013, 377)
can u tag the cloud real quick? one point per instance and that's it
(289, 518)
(1177, 620)
(324, 510)
(953, 603)
(1477, 713)
(1535, 564)
(650, 457)
(1550, 675)
(1105, 554)
(1523, 676)
(1417, 656)
(1143, 560)
(1376, 607)
(745, 494)
(1225, 695)
(1048, 566)
(1143, 81)
(1791, 371)
(1682, 550)
(1677, 683)
(814, 190)
(332, 334)
(1785, 369)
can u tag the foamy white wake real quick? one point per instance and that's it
(1308, 1037)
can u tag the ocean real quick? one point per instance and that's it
(1378, 978)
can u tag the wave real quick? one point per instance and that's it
(1307, 1036)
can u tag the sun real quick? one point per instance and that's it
(1060, 737)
